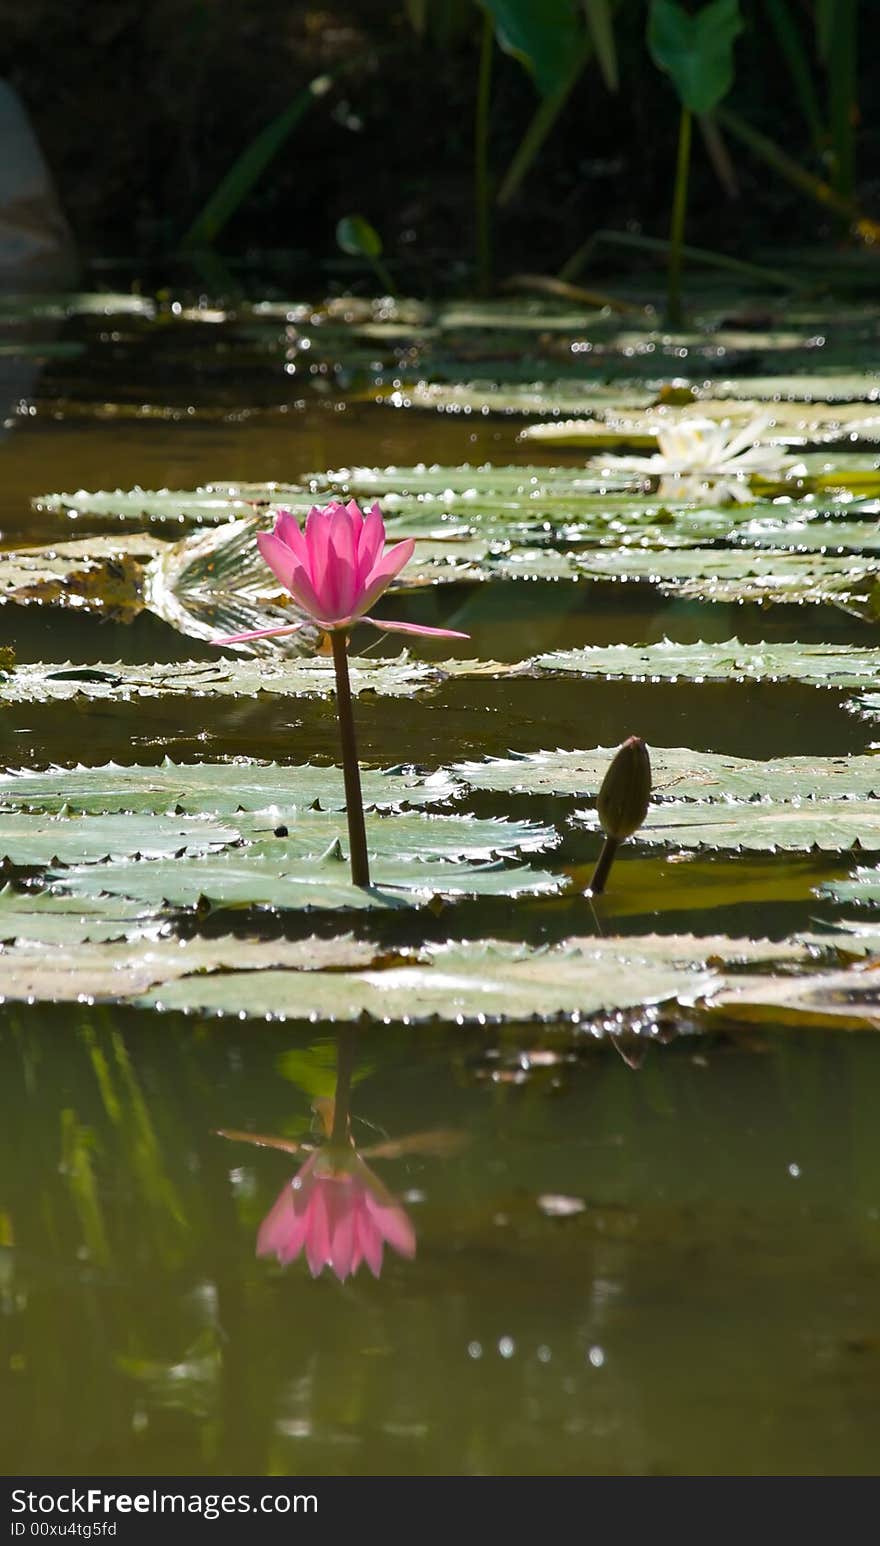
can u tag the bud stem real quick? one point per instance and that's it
(354, 804)
(603, 867)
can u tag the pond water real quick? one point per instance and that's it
(656, 1256)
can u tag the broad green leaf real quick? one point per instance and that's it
(71, 839)
(843, 667)
(728, 576)
(102, 575)
(681, 774)
(868, 705)
(792, 424)
(832, 826)
(861, 888)
(482, 981)
(541, 34)
(213, 503)
(65, 920)
(851, 937)
(213, 788)
(121, 971)
(67, 838)
(262, 877)
(223, 678)
(215, 582)
(696, 50)
(405, 835)
(841, 1000)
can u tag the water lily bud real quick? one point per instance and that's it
(626, 791)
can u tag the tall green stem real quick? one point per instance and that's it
(679, 211)
(354, 805)
(481, 157)
(345, 1051)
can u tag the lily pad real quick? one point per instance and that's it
(845, 1000)
(212, 503)
(493, 981)
(223, 678)
(843, 667)
(679, 773)
(83, 971)
(66, 920)
(832, 826)
(721, 575)
(861, 888)
(69, 839)
(266, 876)
(484, 981)
(214, 788)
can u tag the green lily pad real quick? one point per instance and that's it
(223, 678)
(266, 876)
(72, 839)
(679, 773)
(214, 788)
(82, 971)
(843, 667)
(479, 982)
(66, 920)
(861, 888)
(843, 1000)
(832, 826)
(213, 503)
(490, 981)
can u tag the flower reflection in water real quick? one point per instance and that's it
(335, 1210)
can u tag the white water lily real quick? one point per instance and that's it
(707, 458)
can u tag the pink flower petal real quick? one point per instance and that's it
(257, 633)
(317, 1234)
(384, 571)
(287, 530)
(302, 591)
(372, 541)
(318, 544)
(369, 1242)
(341, 1206)
(342, 564)
(282, 1232)
(394, 1225)
(392, 627)
(280, 559)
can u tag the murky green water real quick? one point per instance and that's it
(658, 1258)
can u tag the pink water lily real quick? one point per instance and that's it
(335, 568)
(338, 1212)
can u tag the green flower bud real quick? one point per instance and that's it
(626, 791)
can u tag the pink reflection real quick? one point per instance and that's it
(339, 1214)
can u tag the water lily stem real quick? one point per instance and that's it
(354, 805)
(603, 866)
(481, 155)
(345, 1051)
(679, 211)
